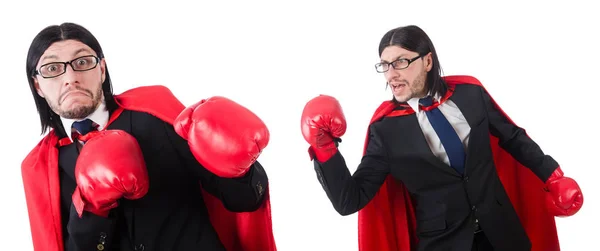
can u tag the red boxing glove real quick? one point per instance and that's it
(564, 195)
(225, 137)
(322, 123)
(109, 167)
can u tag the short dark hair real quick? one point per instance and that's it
(413, 38)
(41, 42)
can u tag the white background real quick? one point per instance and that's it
(539, 61)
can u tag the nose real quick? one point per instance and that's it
(391, 74)
(70, 76)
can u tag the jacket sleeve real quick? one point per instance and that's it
(350, 193)
(243, 194)
(515, 141)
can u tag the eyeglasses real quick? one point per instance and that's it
(55, 69)
(398, 64)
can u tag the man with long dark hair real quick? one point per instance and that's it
(443, 167)
(139, 170)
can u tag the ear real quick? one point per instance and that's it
(428, 59)
(36, 84)
(103, 69)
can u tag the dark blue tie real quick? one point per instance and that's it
(83, 127)
(80, 129)
(450, 140)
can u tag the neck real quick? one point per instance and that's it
(100, 116)
(422, 94)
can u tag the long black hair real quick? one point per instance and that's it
(41, 42)
(414, 39)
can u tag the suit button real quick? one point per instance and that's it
(474, 208)
(260, 188)
(101, 241)
(140, 247)
(466, 178)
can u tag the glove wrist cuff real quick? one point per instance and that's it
(81, 205)
(324, 153)
(78, 202)
(557, 174)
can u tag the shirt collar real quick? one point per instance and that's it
(414, 102)
(99, 116)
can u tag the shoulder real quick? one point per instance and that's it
(464, 84)
(391, 114)
(466, 93)
(468, 88)
(149, 130)
(144, 124)
(145, 118)
(384, 125)
(158, 101)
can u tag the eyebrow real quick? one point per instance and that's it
(81, 50)
(75, 53)
(396, 58)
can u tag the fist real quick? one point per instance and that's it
(564, 195)
(110, 166)
(225, 137)
(323, 121)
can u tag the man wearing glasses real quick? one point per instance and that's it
(139, 170)
(443, 167)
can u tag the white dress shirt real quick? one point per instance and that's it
(100, 117)
(453, 115)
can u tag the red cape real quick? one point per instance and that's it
(388, 222)
(238, 231)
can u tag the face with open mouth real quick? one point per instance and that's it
(406, 79)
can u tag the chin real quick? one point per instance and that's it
(73, 103)
(77, 106)
(78, 112)
(402, 98)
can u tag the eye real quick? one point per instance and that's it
(400, 63)
(82, 62)
(51, 68)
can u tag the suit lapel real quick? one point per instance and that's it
(409, 130)
(68, 158)
(474, 118)
(470, 114)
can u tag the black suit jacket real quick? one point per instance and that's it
(172, 216)
(446, 202)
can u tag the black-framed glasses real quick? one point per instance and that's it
(55, 69)
(398, 64)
